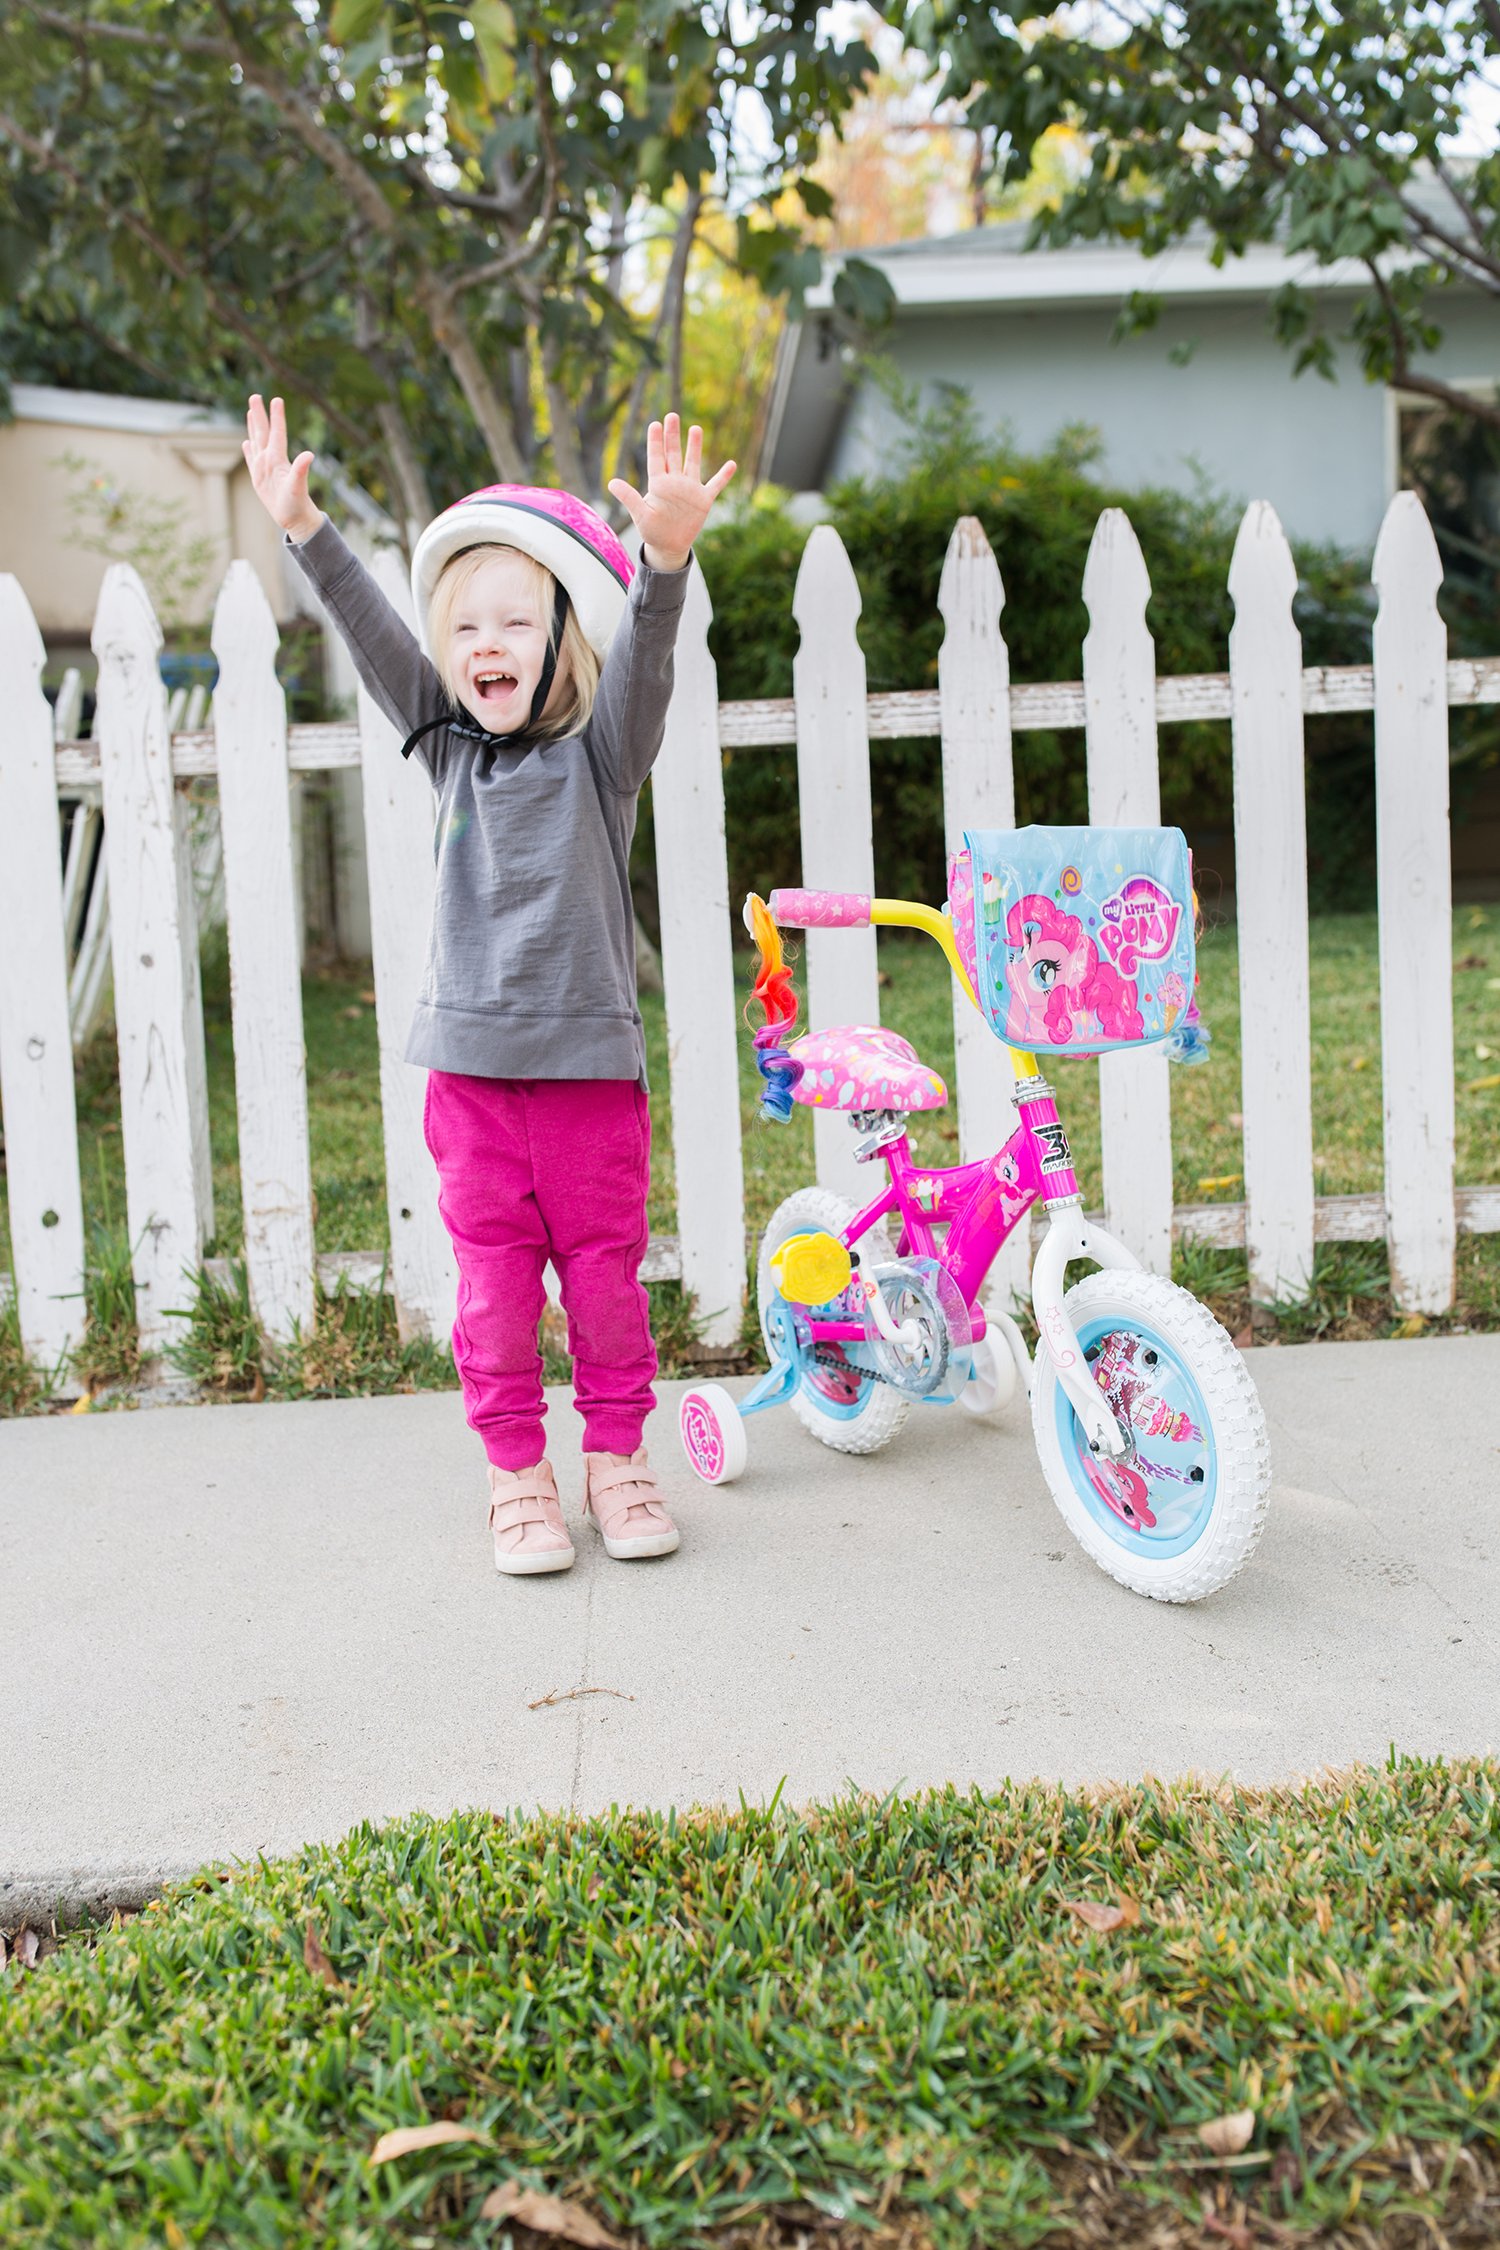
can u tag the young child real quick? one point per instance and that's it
(536, 705)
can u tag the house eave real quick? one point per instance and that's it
(1093, 274)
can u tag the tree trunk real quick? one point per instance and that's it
(485, 403)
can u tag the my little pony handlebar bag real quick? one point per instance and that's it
(1079, 940)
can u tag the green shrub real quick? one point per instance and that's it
(1039, 514)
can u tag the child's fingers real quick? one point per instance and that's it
(672, 444)
(656, 452)
(693, 453)
(302, 468)
(278, 432)
(255, 421)
(716, 484)
(629, 499)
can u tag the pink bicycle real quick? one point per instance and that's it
(1148, 1428)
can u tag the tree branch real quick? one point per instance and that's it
(1472, 265)
(669, 312)
(407, 472)
(469, 199)
(79, 27)
(1470, 403)
(451, 335)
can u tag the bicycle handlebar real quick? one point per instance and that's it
(852, 910)
(820, 910)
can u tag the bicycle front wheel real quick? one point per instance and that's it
(1182, 1511)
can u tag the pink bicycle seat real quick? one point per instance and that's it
(863, 1066)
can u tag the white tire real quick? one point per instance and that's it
(712, 1430)
(1207, 1552)
(872, 1422)
(992, 1377)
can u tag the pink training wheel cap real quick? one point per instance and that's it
(713, 1434)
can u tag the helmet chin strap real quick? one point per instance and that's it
(549, 661)
(470, 729)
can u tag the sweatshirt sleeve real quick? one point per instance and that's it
(629, 717)
(384, 648)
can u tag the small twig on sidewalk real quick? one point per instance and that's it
(571, 1695)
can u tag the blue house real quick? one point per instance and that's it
(1206, 394)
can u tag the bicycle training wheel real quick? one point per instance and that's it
(1180, 1513)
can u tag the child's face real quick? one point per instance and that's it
(499, 645)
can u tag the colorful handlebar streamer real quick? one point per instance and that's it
(774, 992)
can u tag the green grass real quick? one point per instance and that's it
(1352, 1292)
(877, 2019)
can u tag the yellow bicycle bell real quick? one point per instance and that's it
(811, 1269)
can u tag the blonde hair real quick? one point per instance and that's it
(577, 660)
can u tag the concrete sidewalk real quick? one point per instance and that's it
(227, 1630)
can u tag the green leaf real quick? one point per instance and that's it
(495, 36)
(353, 20)
(864, 293)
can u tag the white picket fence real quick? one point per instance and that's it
(136, 760)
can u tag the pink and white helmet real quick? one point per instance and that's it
(563, 534)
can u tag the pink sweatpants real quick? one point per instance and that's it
(531, 1169)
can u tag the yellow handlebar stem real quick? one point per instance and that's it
(908, 914)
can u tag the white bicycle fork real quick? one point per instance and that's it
(1070, 1235)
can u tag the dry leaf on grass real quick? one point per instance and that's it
(1123, 1915)
(1226, 2136)
(548, 2214)
(25, 1946)
(406, 2139)
(1231, 2231)
(316, 1961)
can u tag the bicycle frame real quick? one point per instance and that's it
(980, 1205)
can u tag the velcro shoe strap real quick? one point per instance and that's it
(613, 1479)
(510, 1510)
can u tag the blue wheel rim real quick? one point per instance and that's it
(1168, 1449)
(812, 1378)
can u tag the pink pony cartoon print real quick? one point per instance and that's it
(1060, 990)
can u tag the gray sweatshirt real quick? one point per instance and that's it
(531, 963)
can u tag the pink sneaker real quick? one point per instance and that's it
(625, 1503)
(526, 1519)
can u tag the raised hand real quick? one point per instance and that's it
(676, 503)
(280, 484)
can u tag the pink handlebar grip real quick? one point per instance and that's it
(820, 910)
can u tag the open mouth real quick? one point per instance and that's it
(494, 687)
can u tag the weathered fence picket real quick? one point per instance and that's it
(979, 791)
(140, 895)
(1119, 687)
(154, 947)
(270, 1064)
(1415, 890)
(398, 841)
(1270, 858)
(36, 1049)
(833, 792)
(697, 964)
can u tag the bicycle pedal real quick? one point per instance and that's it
(812, 1269)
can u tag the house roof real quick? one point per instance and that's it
(111, 410)
(986, 268)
